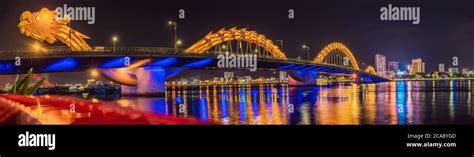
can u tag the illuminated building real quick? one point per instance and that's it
(393, 66)
(417, 66)
(453, 70)
(465, 70)
(380, 64)
(441, 67)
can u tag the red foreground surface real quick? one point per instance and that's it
(65, 110)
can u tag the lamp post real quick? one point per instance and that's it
(175, 26)
(307, 49)
(114, 40)
(223, 47)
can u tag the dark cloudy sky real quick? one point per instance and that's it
(446, 28)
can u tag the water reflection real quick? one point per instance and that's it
(430, 102)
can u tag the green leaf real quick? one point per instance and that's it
(26, 84)
(23, 87)
(19, 85)
(33, 89)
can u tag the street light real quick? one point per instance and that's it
(36, 47)
(175, 26)
(307, 49)
(114, 40)
(94, 73)
(178, 42)
(354, 75)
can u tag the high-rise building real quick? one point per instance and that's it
(392, 69)
(393, 66)
(417, 66)
(380, 64)
(441, 67)
(423, 67)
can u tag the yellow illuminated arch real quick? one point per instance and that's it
(223, 35)
(339, 46)
(370, 70)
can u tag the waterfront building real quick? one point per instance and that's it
(441, 67)
(380, 64)
(417, 66)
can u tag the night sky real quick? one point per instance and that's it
(446, 28)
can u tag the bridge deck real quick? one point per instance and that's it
(93, 59)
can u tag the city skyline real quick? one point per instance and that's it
(399, 41)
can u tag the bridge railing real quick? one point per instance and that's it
(96, 49)
(108, 49)
(220, 52)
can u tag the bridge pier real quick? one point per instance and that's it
(302, 78)
(150, 81)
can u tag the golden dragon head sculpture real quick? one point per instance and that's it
(46, 26)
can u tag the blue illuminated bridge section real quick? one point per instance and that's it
(64, 60)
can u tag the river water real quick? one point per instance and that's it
(391, 103)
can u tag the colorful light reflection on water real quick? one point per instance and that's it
(395, 103)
